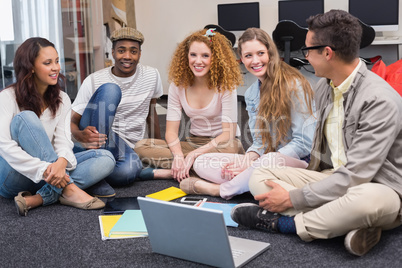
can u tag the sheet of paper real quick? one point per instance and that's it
(226, 208)
(168, 194)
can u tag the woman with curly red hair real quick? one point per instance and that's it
(204, 75)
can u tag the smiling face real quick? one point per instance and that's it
(126, 54)
(46, 68)
(315, 57)
(199, 58)
(255, 58)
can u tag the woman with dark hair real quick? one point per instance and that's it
(281, 121)
(35, 142)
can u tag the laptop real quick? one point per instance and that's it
(195, 234)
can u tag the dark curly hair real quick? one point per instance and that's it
(27, 95)
(225, 70)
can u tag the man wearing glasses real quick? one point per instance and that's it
(353, 184)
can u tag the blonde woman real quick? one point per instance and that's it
(281, 121)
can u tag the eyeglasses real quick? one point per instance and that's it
(305, 50)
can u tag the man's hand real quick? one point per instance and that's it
(90, 138)
(276, 200)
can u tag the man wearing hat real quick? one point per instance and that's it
(114, 105)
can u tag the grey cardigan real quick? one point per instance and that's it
(372, 137)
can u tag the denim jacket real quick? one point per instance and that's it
(301, 132)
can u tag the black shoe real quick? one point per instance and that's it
(252, 216)
(101, 189)
(360, 241)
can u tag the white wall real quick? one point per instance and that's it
(165, 23)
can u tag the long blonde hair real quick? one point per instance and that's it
(225, 70)
(276, 92)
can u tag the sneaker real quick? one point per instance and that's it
(101, 189)
(252, 216)
(360, 241)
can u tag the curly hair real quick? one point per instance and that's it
(282, 82)
(225, 70)
(27, 95)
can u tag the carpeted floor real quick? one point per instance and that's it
(60, 236)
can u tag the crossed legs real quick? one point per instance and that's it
(28, 132)
(362, 206)
(209, 167)
(100, 113)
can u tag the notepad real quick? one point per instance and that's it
(106, 223)
(168, 194)
(131, 223)
(226, 208)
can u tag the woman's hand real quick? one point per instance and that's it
(55, 173)
(181, 166)
(178, 167)
(231, 170)
(190, 158)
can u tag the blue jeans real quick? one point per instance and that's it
(27, 130)
(100, 113)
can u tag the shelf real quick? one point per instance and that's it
(387, 40)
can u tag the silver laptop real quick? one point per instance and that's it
(195, 234)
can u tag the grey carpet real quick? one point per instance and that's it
(60, 236)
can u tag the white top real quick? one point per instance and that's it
(57, 130)
(137, 92)
(205, 122)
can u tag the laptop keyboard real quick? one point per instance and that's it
(237, 253)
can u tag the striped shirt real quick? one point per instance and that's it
(137, 92)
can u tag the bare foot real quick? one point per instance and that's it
(163, 174)
(74, 194)
(33, 201)
(207, 188)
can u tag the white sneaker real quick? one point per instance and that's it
(360, 241)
